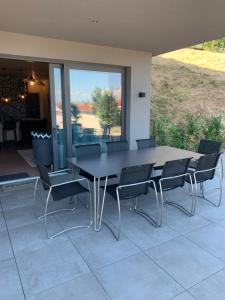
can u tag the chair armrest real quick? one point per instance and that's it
(59, 172)
(133, 184)
(67, 182)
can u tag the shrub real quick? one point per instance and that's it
(187, 134)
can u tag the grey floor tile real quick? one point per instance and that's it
(181, 223)
(17, 199)
(137, 277)
(210, 238)
(46, 266)
(82, 288)
(184, 296)
(5, 246)
(101, 248)
(213, 288)
(212, 213)
(34, 235)
(184, 261)
(144, 235)
(20, 216)
(2, 222)
(10, 287)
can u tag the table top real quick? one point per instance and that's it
(111, 164)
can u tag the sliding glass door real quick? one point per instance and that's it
(96, 105)
(87, 106)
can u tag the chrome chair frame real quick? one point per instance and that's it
(174, 204)
(46, 213)
(144, 214)
(51, 174)
(202, 196)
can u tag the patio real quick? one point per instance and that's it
(182, 260)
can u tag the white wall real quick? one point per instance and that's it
(139, 62)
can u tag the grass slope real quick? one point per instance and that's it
(188, 80)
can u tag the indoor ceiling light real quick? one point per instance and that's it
(32, 80)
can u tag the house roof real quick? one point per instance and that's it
(155, 26)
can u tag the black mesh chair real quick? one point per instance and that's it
(117, 146)
(134, 182)
(146, 143)
(173, 176)
(60, 189)
(85, 151)
(204, 171)
(206, 147)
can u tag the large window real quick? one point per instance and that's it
(96, 98)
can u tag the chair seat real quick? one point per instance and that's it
(68, 190)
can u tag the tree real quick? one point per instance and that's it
(106, 109)
(75, 113)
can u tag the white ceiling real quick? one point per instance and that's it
(150, 25)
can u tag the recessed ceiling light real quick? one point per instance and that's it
(95, 21)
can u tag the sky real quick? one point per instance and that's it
(83, 83)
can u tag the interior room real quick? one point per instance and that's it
(24, 107)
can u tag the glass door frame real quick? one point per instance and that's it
(92, 67)
(66, 104)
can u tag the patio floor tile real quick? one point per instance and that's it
(144, 235)
(5, 246)
(181, 223)
(23, 198)
(10, 287)
(2, 222)
(213, 288)
(34, 235)
(46, 266)
(210, 238)
(85, 287)
(101, 248)
(187, 263)
(184, 296)
(137, 277)
(20, 216)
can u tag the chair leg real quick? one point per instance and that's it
(46, 213)
(220, 188)
(157, 221)
(189, 213)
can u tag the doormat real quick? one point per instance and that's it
(13, 186)
(27, 155)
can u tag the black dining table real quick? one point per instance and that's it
(108, 164)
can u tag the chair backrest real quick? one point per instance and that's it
(146, 143)
(132, 175)
(174, 168)
(46, 181)
(83, 151)
(207, 162)
(209, 146)
(117, 146)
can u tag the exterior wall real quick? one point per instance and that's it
(139, 63)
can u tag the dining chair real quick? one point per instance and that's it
(117, 146)
(173, 176)
(146, 143)
(134, 182)
(85, 151)
(60, 189)
(204, 171)
(207, 147)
